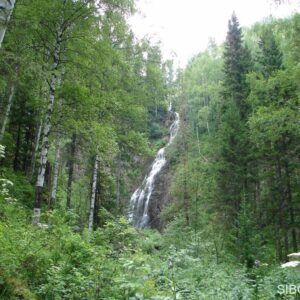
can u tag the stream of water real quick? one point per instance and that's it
(140, 199)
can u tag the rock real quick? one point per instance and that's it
(160, 197)
(294, 254)
(291, 264)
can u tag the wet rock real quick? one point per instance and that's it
(160, 197)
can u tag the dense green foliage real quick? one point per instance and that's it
(237, 182)
(77, 87)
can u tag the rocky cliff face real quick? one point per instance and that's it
(160, 197)
(149, 199)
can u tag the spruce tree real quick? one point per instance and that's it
(236, 65)
(234, 152)
(270, 57)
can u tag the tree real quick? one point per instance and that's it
(236, 66)
(93, 195)
(270, 57)
(8, 109)
(232, 131)
(272, 129)
(6, 9)
(62, 25)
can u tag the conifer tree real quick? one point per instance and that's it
(232, 131)
(236, 64)
(271, 57)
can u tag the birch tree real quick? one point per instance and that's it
(70, 14)
(56, 170)
(7, 112)
(6, 9)
(46, 132)
(93, 195)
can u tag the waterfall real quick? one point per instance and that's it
(140, 199)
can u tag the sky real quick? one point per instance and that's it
(184, 27)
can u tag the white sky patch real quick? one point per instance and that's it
(185, 26)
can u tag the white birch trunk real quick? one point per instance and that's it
(8, 108)
(6, 9)
(93, 197)
(56, 171)
(52, 199)
(46, 131)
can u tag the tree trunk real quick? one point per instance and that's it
(46, 132)
(185, 195)
(6, 9)
(291, 208)
(52, 199)
(8, 108)
(282, 212)
(118, 181)
(278, 244)
(118, 192)
(276, 216)
(71, 170)
(186, 203)
(35, 150)
(30, 139)
(93, 197)
(17, 150)
(55, 172)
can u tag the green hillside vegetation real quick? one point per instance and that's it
(83, 110)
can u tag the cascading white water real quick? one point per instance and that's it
(139, 202)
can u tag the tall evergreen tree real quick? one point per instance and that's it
(236, 65)
(234, 152)
(270, 57)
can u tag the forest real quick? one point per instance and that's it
(87, 110)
